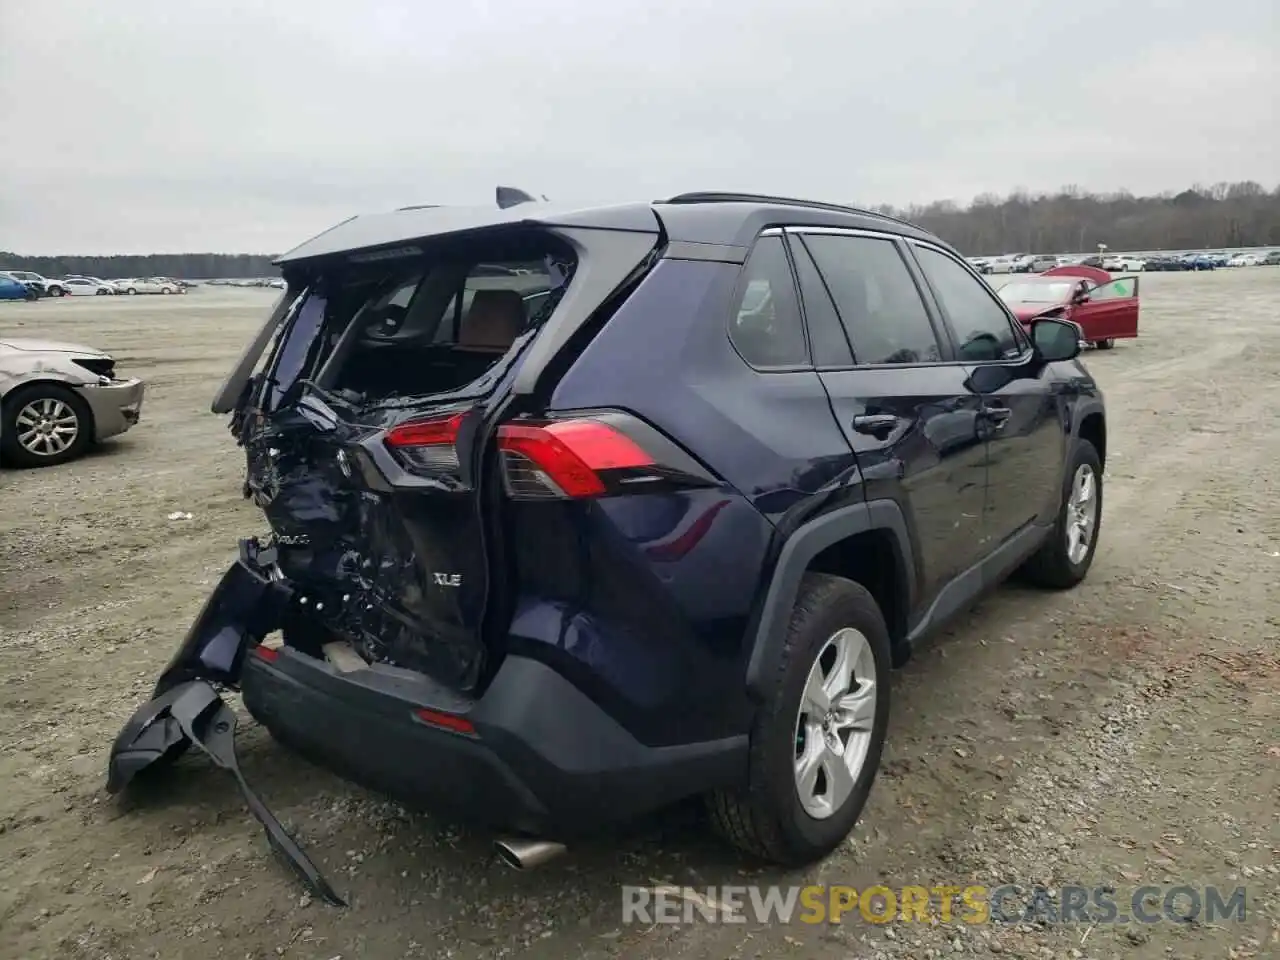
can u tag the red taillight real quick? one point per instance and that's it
(446, 721)
(269, 654)
(563, 458)
(427, 446)
(426, 433)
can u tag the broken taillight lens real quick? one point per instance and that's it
(427, 446)
(564, 458)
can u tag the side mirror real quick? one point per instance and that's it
(1055, 340)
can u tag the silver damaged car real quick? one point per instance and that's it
(56, 399)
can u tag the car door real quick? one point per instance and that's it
(1111, 310)
(897, 393)
(1021, 419)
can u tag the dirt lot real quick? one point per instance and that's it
(1125, 733)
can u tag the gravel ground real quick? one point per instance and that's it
(1127, 732)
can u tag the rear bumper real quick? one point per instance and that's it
(116, 406)
(540, 757)
(543, 759)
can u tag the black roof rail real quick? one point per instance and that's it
(418, 206)
(710, 196)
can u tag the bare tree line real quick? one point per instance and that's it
(1224, 215)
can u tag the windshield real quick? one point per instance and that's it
(1036, 292)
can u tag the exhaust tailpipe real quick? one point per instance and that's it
(527, 854)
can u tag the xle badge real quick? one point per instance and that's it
(447, 579)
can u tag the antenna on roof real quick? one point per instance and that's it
(511, 196)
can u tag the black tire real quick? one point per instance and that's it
(100, 293)
(1051, 566)
(131, 292)
(57, 291)
(14, 453)
(1108, 344)
(765, 817)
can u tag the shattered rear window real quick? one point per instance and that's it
(420, 326)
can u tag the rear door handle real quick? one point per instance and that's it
(878, 425)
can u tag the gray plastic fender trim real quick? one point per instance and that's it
(798, 550)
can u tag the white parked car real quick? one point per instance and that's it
(1245, 260)
(88, 287)
(1123, 264)
(148, 285)
(52, 288)
(1002, 264)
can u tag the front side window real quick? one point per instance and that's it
(981, 324)
(877, 301)
(765, 327)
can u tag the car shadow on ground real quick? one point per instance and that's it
(96, 452)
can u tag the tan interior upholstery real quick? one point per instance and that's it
(493, 322)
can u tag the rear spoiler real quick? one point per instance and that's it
(403, 232)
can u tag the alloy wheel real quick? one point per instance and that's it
(47, 427)
(833, 729)
(1082, 513)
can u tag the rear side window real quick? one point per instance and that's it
(876, 299)
(983, 329)
(765, 327)
(830, 345)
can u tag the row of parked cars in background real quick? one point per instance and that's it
(275, 283)
(1125, 263)
(1211, 261)
(24, 284)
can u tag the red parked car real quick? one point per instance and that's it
(1105, 309)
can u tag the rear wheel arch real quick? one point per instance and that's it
(849, 542)
(861, 559)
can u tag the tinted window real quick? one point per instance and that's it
(830, 346)
(765, 326)
(876, 299)
(982, 328)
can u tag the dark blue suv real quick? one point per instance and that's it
(579, 512)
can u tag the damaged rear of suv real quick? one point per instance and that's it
(459, 623)
(577, 513)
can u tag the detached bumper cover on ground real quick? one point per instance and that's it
(534, 754)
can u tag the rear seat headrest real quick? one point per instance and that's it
(493, 322)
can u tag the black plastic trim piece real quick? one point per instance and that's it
(546, 759)
(793, 560)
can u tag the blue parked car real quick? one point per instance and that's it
(12, 289)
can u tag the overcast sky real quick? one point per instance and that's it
(250, 125)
